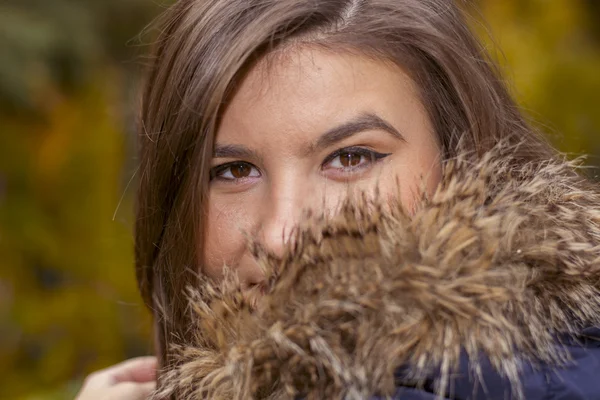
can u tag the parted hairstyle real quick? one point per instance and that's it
(204, 49)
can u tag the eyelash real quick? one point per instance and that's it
(370, 155)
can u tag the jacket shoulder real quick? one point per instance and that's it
(576, 379)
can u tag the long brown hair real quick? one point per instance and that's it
(206, 46)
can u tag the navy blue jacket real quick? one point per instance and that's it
(577, 380)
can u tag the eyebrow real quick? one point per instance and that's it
(364, 122)
(235, 151)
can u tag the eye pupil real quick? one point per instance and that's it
(240, 170)
(350, 159)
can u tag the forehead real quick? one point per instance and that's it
(300, 91)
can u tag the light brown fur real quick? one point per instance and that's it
(502, 258)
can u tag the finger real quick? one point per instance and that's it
(147, 388)
(140, 370)
(131, 391)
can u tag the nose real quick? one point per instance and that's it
(280, 216)
(287, 203)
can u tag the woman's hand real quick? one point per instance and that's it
(133, 379)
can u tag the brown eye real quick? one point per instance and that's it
(350, 159)
(240, 170)
(234, 171)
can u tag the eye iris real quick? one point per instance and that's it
(350, 159)
(240, 170)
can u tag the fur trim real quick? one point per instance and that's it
(500, 261)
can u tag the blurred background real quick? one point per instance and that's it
(69, 81)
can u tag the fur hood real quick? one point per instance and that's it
(501, 264)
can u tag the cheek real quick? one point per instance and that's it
(225, 241)
(411, 175)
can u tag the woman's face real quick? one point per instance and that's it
(305, 131)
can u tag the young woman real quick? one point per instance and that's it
(450, 251)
